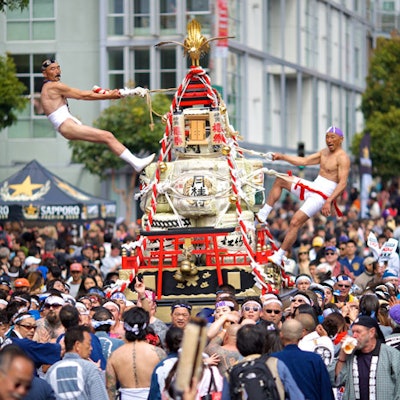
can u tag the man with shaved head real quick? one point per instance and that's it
(318, 195)
(312, 341)
(307, 369)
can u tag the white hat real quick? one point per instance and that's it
(32, 260)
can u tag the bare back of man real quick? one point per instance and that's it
(320, 194)
(54, 97)
(131, 366)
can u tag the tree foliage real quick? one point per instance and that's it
(383, 80)
(13, 4)
(381, 108)
(129, 120)
(11, 92)
(385, 143)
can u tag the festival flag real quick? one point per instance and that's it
(365, 172)
(222, 28)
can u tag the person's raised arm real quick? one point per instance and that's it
(312, 159)
(77, 94)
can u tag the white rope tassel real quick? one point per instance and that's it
(137, 91)
(269, 156)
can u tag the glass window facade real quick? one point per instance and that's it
(32, 122)
(36, 22)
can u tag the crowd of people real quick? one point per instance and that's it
(63, 337)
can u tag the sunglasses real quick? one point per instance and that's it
(28, 327)
(298, 301)
(273, 311)
(48, 306)
(342, 248)
(248, 308)
(47, 63)
(343, 286)
(302, 253)
(329, 253)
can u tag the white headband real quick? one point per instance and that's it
(22, 317)
(303, 278)
(135, 328)
(251, 302)
(111, 303)
(97, 324)
(269, 301)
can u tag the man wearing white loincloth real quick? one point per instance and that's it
(132, 364)
(54, 97)
(319, 195)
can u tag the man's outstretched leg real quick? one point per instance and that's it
(273, 197)
(298, 220)
(72, 130)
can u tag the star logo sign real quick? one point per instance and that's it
(25, 188)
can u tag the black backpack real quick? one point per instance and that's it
(253, 380)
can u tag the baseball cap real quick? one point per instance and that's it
(5, 280)
(394, 313)
(369, 260)
(32, 260)
(21, 282)
(332, 248)
(343, 239)
(318, 241)
(76, 267)
(368, 322)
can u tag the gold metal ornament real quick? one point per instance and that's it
(195, 45)
(185, 267)
(163, 166)
(225, 150)
(232, 199)
(194, 271)
(179, 277)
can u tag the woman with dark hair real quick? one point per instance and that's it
(16, 265)
(57, 284)
(87, 283)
